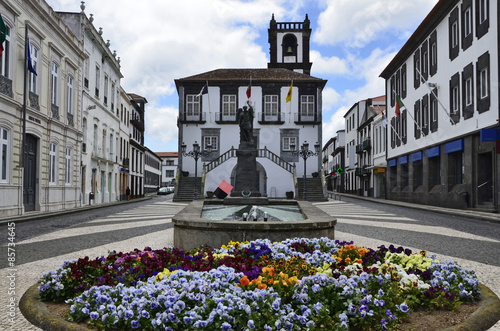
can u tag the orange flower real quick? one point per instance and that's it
(262, 286)
(347, 260)
(360, 261)
(244, 281)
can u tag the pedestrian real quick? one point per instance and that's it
(127, 192)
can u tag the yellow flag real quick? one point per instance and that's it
(289, 95)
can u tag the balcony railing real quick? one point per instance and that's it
(55, 112)
(70, 119)
(6, 86)
(221, 117)
(367, 144)
(308, 118)
(201, 117)
(359, 148)
(263, 117)
(33, 98)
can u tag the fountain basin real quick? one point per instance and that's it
(191, 230)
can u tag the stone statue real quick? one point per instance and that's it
(245, 118)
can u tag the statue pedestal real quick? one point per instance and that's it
(246, 182)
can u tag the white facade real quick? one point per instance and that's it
(445, 75)
(51, 177)
(124, 149)
(273, 130)
(100, 111)
(169, 166)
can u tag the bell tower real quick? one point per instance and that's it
(289, 45)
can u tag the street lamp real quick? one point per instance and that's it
(196, 154)
(305, 153)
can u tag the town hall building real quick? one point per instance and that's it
(287, 105)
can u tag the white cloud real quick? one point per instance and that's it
(328, 65)
(367, 71)
(356, 23)
(331, 99)
(161, 124)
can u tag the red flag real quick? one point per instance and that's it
(249, 90)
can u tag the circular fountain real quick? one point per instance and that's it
(196, 225)
(217, 222)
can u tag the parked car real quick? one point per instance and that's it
(170, 189)
(162, 191)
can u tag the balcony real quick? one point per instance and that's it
(70, 119)
(55, 112)
(137, 123)
(192, 118)
(126, 162)
(359, 148)
(33, 98)
(363, 171)
(307, 118)
(269, 118)
(222, 118)
(6, 86)
(367, 144)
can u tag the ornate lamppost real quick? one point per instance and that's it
(196, 154)
(305, 153)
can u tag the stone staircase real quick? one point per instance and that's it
(314, 189)
(184, 191)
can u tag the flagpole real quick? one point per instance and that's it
(290, 110)
(435, 96)
(209, 109)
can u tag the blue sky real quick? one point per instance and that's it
(162, 40)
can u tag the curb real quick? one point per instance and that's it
(44, 215)
(476, 215)
(36, 313)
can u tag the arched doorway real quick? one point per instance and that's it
(261, 171)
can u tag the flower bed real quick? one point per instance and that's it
(297, 284)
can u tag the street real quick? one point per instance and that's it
(44, 245)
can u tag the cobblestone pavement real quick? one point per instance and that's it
(351, 220)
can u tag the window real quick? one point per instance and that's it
(106, 87)
(54, 84)
(467, 22)
(95, 138)
(32, 78)
(169, 173)
(67, 175)
(192, 107)
(425, 116)
(69, 95)
(5, 150)
(229, 107)
(84, 131)
(97, 80)
(483, 83)
(424, 63)
(288, 141)
(271, 107)
(169, 162)
(454, 34)
(454, 100)
(86, 72)
(482, 11)
(307, 107)
(210, 140)
(104, 134)
(468, 91)
(111, 146)
(113, 98)
(52, 164)
(434, 110)
(5, 58)
(433, 54)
